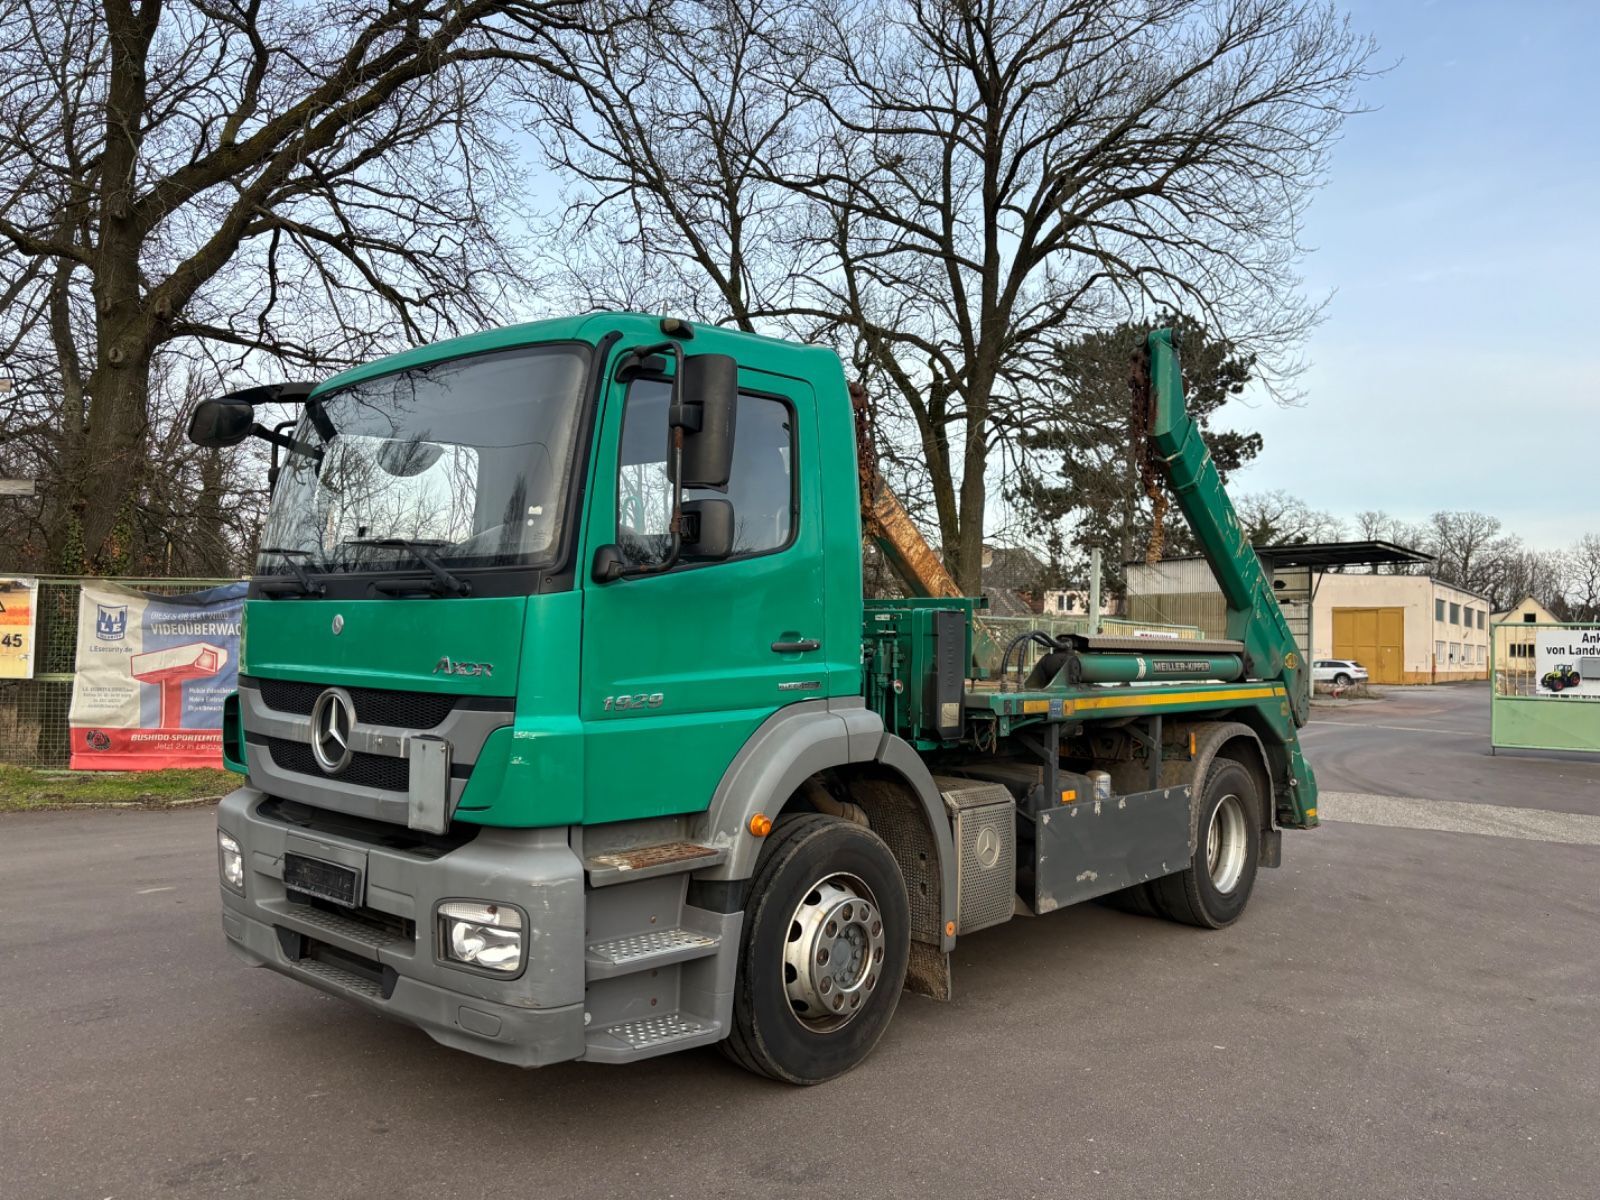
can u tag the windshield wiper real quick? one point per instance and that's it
(303, 583)
(441, 577)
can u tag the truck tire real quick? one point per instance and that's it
(822, 959)
(1213, 890)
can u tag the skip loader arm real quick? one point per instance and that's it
(1254, 617)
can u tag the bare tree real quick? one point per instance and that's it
(1581, 567)
(212, 179)
(659, 128)
(1278, 518)
(1468, 548)
(976, 182)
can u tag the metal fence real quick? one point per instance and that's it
(1526, 710)
(33, 712)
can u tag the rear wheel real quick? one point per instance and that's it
(823, 955)
(1342, 679)
(1214, 889)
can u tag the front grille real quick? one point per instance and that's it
(365, 770)
(383, 834)
(374, 706)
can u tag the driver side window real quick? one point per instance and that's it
(760, 485)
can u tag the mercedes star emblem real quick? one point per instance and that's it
(332, 718)
(338, 624)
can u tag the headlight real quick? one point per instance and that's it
(230, 862)
(481, 934)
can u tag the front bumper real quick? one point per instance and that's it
(383, 956)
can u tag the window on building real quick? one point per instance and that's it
(1480, 618)
(1530, 618)
(1466, 615)
(1480, 651)
(1438, 653)
(1438, 609)
(1455, 614)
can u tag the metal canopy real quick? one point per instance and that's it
(1322, 555)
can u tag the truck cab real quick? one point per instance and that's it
(554, 720)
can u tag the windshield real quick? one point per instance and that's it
(465, 460)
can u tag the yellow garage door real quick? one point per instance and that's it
(1373, 637)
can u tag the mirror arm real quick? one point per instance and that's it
(275, 438)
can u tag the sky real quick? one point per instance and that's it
(1458, 241)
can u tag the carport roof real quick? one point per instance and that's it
(1341, 554)
(1325, 554)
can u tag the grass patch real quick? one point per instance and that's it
(24, 789)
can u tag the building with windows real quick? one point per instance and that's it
(1069, 602)
(1513, 652)
(1408, 628)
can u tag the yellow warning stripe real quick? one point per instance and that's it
(1147, 699)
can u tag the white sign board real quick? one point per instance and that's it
(1567, 662)
(19, 608)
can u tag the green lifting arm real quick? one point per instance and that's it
(1254, 617)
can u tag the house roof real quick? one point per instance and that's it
(1525, 600)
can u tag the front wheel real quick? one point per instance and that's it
(1214, 889)
(822, 959)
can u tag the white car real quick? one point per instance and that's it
(1343, 671)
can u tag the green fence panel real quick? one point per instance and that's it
(1520, 716)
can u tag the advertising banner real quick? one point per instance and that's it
(1567, 662)
(19, 606)
(152, 674)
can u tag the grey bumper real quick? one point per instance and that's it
(531, 1020)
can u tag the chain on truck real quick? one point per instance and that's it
(568, 734)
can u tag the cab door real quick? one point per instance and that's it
(679, 668)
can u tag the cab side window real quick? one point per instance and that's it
(760, 485)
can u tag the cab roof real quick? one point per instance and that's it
(751, 349)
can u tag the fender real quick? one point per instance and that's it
(794, 744)
(1210, 737)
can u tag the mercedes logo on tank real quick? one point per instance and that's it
(338, 624)
(332, 718)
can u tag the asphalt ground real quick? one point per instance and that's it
(1402, 1012)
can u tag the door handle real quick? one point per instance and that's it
(799, 647)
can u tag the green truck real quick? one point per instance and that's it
(568, 734)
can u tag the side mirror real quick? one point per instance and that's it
(709, 529)
(221, 422)
(709, 400)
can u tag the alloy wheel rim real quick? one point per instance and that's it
(833, 953)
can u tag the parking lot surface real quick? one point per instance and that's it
(1406, 1010)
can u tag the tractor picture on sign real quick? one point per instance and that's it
(1563, 677)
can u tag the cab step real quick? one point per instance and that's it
(642, 862)
(646, 951)
(647, 1037)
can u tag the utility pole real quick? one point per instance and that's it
(1094, 589)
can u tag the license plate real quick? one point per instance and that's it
(325, 880)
